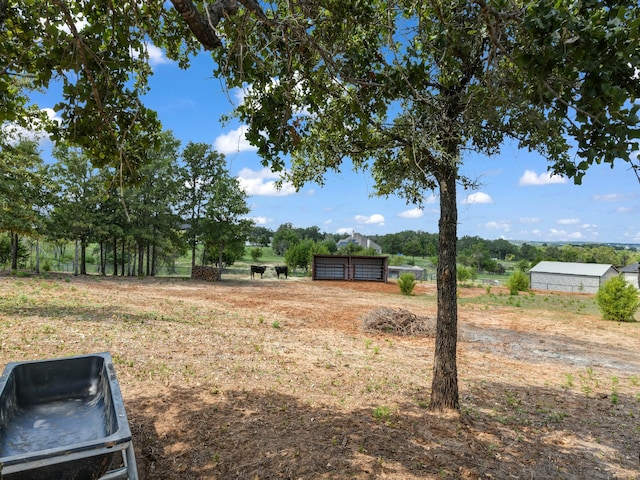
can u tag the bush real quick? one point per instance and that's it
(256, 254)
(518, 282)
(465, 274)
(617, 300)
(407, 283)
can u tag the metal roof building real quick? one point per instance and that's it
(631, 274)
(350, 267)
(570, 276)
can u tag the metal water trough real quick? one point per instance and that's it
(64, 419)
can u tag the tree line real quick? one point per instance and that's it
(180, 199)
(298, 245)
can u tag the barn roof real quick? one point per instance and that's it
(573, 268)
(633, 268)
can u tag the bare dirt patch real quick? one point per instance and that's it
(271, 379)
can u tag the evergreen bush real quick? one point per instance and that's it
(618, 300)
(407, 283)
(518, 282)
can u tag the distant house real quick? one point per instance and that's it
(570, 277)
(361, 240)
(631, 273)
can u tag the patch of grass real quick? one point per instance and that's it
(382, 413)
(549, 302)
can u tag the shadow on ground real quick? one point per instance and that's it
(190, 433)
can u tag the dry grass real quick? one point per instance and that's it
(272, 379)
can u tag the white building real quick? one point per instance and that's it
(631, 274)
(570, 277)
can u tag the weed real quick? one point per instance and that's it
(634, 380)
(367, 343)
(276, 324)
(382, 413)
(376, 350)
(614, 390)
(557, 417)
(569, 380)
(48, 329)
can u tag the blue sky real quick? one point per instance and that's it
(516, 199)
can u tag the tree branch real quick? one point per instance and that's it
(198, 25)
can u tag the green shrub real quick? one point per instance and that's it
(464, 274)
(518, 282)
(407, 283)
(617, 300)
(256, 254)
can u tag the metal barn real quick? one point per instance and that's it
(570, 276)
(350, 267)
(631, 274)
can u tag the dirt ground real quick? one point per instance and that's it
(276, 379)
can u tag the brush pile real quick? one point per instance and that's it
(399, 322)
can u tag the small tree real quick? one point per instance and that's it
(518, 282)
(466, 274)
(256, 254)
(617, 300)
(407, 283)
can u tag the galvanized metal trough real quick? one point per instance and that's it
(64, 419)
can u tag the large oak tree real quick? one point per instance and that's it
(403, 88)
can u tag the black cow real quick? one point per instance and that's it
(256, 269)
(284, 270)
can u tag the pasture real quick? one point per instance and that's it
(276, 379)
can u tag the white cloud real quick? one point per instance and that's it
(239, 94)
(529, 220)
(624, 210)
(263, 183)
(79, 24)
(413, 213)
(499, 225)
(155, 54)
(568, 221)
(529, 177)
(259, 220)
(477, 198)
(375, 219)
(233, 142)
(35, 132)
(564, 235)
(345, 231)
(610, 197)
(431, 199)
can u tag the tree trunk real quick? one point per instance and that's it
(37, 256)
(148, 261)
(14, 250)
(141, 260)
(115, 257)
(103, 258)
(220, 250)
(75, 259)
(193, 254)
(83, 258)
(123, 256)
(444, 386)
(154, 258)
